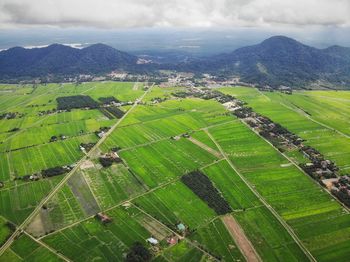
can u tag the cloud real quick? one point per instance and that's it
(173, 13)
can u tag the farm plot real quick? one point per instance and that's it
(6, 125)
(34, 159)
(204, 138)
(207, 111)
(215, 238)
(155, 126)
(17, 202)
(72, 203)
(26, 249)
(269, 238)
(231, 186)
(5, 230)
(290, 192)
(163, 161)
(112, 185)
(123, 91)
(175, 203)
(42, 135)
(162, 93)
(183, 251)
(92, 240)
(74, 115)
(328, 107)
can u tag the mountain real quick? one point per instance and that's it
(276, 61)
(281, 60)
(60, 59)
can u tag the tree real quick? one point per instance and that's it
(138, 253)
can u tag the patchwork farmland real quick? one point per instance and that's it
(114, 171)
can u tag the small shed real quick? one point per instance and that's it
(181, 227)
(152, 241)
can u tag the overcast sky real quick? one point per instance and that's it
(196, 26)
(173, 13)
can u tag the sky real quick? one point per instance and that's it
(173, 13)
(318, 22)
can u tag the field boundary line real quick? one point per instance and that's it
(54, 251)
(267, 205)
(65, 179)
(317, 122)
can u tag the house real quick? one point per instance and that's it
(152, 241)
(100, 134)
(172, 240)
(103, 217)
(34, 177)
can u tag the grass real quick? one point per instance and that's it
(163, 161)
(234, 190)
(91, 240)
(176, 203)
(112, 185)
(182, 252)
(215, 238)
(269, 238)
(25, 249)
(5, 230)
(18, 202)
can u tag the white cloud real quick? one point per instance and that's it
(173, 13)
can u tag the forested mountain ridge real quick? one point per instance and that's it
(281, 61)
(276, 61)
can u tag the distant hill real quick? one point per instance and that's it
(280, 60)
(276, 61)
(61, 59)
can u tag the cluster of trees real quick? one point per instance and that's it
(79, 101)
(201, 185)
(112, 112)
(54, 171)
(108, 161)
(10, 115)
(138, 253)
(115, 111)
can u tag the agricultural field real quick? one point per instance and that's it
(125, 170)
(323, 122)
